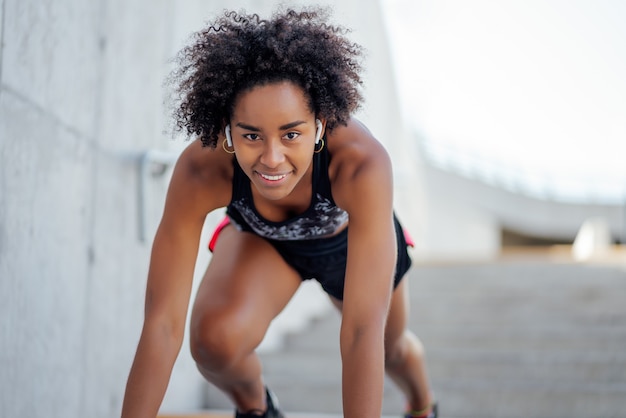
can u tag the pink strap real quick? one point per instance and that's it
(216, 232)
(408, 238)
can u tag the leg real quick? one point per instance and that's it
(404, 353)
(245, 286)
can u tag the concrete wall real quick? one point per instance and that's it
(81, 98)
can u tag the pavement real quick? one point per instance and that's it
(520, 337)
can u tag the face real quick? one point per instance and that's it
(273, 132)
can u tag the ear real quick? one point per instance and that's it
(319, 129)
(229, 138)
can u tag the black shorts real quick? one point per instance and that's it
(324, 259)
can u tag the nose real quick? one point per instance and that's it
(273, 153)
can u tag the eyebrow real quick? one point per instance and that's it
(282, 128)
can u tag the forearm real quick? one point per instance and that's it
(363, 373)
(150, 373)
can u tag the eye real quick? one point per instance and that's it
(251, 137)
(291, 135)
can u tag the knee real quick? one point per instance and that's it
(218, 341)
(398, 351)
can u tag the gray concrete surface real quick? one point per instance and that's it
(509, 340)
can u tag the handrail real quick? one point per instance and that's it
(147, 162)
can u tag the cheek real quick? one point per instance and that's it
(304, 163)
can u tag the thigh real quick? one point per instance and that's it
(247, 283)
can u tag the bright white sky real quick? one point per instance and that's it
(526, 92)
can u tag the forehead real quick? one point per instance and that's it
(278, 100)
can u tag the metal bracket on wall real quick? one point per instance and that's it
(152, 163)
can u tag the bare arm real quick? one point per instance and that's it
(168, 290)
(364, 188)
(163, 329)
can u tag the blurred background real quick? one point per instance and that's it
(506, 122)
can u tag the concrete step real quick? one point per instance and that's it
(508, 340)
(503, 340)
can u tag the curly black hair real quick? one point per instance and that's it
(239, 51)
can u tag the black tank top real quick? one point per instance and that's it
(322, 218)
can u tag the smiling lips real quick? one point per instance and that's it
(268, 177)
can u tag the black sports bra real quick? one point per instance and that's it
(322, 218)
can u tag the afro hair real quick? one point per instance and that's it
(239, 51)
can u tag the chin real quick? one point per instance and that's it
(274, 194)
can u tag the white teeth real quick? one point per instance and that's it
(273, 178)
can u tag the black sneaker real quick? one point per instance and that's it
(272, 410)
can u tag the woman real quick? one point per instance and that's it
(308, 192)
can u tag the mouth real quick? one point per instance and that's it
(273, 178)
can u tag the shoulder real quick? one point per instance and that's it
(354, 147)
(205, 165)
(359, 163)
(201, 182)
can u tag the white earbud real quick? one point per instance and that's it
(318, 131)
(229, 139)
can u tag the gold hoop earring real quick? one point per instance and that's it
(317, 151)
(226, 149)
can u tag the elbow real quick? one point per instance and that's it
(369, 333)
(165, 321)
(166, 330)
